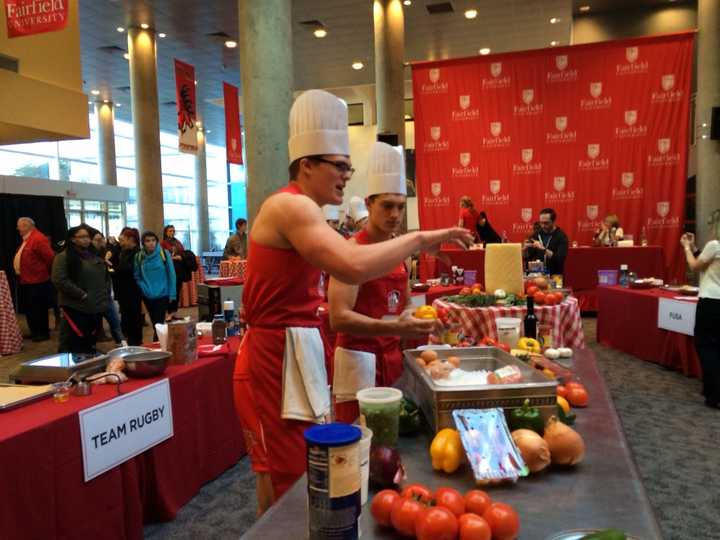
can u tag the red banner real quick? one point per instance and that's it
(186, 107)
(28, 17)
(233, 134)
(588, 130)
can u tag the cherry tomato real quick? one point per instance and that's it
(539, 298)
(417, 492)
(487, 340)
(404, 514)
(477, 501)
(503, 520)
(382, 505)
(474, 527)
(436, 523)
(562, 391)
(504, 346)
(451, 499)
(577, 396)
(531, 290)
(465, 291)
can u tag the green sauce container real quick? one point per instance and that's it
(381, 407)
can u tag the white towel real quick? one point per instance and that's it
(354, 371)
(305, 388)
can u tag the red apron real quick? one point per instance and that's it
(282, 290)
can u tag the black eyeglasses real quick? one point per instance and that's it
(342, 167)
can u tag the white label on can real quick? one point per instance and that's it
(344, 470)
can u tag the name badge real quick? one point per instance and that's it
(677, 316)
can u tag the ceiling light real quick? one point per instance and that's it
(126, 56)
(230, 44)
(584, 8)
(408, 117)
(554, 20)
(162, 35)
(208, 131)
(120, 29)
(357, 65)
(470, 13)
(407, 2)
(554, 43)
(95, 92)
(704, 136)
(118, 104)
(144, 26)
(320, 33)
(106, 101)
(484, 51)
(704, 125)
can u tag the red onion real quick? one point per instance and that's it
(386, 468)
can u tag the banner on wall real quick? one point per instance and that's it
(233, 134)
(588, 130)
(186, 107)
(28, 17)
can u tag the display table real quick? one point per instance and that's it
(604, 491)
(627, 321)
(233, 268)
(564, 319)
(188, 293)
(11, 341)
(43, 494)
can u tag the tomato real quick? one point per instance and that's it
(436, 523)
(477, 501)
(487, 340)
(503, 520)
(532, 289)
(541, 282)
(539, 298)
(417, 492)
(465, 291)
(404, 514)
(504, 346)
(443, 314)
(382, 505)
(573, 384)
(474, 527)
(577, 396)
(451, 499)
(562, 391)
(559, 297)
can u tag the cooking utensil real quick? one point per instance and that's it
(146, 364)
(122, 352)
(84, 388)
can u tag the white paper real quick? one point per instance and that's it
(677, 316)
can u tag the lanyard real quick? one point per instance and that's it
(543, 241)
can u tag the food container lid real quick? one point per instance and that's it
(379, 395)
(335, 434)
(511, 322)
(228, 305)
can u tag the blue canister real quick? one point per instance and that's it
(333, 472)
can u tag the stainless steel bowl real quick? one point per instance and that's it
(146, 364)
(122, 352)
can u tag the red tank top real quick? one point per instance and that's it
(282, 289)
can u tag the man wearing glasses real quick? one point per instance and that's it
(550, 241)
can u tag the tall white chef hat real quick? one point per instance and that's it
(386, 170)
(318, 125)
(357, 209)
(331, 212)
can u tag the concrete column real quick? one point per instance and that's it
(201, 196)
(266, 74)
(389, 70)
(104, 113)
(707, 196)
(146, 128)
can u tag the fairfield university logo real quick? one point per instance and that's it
(562, 74)
(631, 127)
(664, 157)
(596, 101)
(525, 223)
(627, 189)
(496, 79)
(664, 220)
(465, 170)
(592, 211)
(466, 111)
(559, 193)
(632, 66)
(594, 161)
(529, 107)
(496, 138)
(667, 92)
(436, 142)
(435, 84)
(561, 135)
(437, 200)
(496, 196)
(527, 166)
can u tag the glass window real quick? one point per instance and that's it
(73, 219)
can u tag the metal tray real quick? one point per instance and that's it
(58, 367)
(20, 402)
(438, 402)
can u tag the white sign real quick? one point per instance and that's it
(677, 316)
(417, 300)
(117, 430)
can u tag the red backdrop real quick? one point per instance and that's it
(588, 130)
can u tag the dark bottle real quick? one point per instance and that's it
(530, 323)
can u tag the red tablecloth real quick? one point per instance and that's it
(188, 293)
(627, 321)
(236, 268)
(43, 494)
(11, 341)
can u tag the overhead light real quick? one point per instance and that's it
(584, 8)
(208, 131)
(554, 43)
(484, 51)
(106, 101)
(120, 29)
(118, 104)
(162, 35)
(407, 2)
(320, 32)
(357, 66)
(554, 20)
(126, 56)
(704, 136)
(231, 44)
(704, 124)
(408, 117)
(470, 13)
(95, 92)
(144, 26)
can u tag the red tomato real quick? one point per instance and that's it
(417, 492)
(503, 520)
(559, 297)
(474, 527)
(573, 384)
(382, 505)
(490, 342)
(404, 514)
(539, 298)
(562, 391)
(465, 291)
(577, 396)
(504, 346)
(437, 523)
(442, 314)
(550, 299)
(451, 499)
(532, 289)
(477, 501)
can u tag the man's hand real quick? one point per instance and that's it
(409, 326)
(537, 244)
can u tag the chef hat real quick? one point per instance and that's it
(386, 170)
(318, 125)
(331, 212)
(357, 209)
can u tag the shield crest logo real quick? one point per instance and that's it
(561, 61)
(559, 183)
(495, 128)
(233, 144)
(631, 53)
(496, 69)
(393, 301)
(627, 179)
(464, 102)
(667, 82)
(528, 95)
(434, 75)
(663, 208)
(465, 159)
(663, 145)
(596, 89)
(436, 188)
(561, 123)
(527, 155)
(630, 117)
(435, 133)
(494, 187)
(593, 150)
(592, 211)
(526, 214)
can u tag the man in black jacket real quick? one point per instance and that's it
(551, 241)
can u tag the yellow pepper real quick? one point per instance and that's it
(447, 450)
(529, 345)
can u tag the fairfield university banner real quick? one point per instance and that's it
(28, 17)
(233, 135)
(186, 107)
(588, 130)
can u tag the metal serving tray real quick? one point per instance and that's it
(33, 393)
(58, 367)
(438, 402)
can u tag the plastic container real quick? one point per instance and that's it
(607, 277)
(381, 408)
(333, 477)
(365, 443)
(470, 277)
(508, 330)
(219, 326)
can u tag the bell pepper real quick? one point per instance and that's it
(446, 450)
(566, 418)
(527, 417)
(529, 345)
(410, 418)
